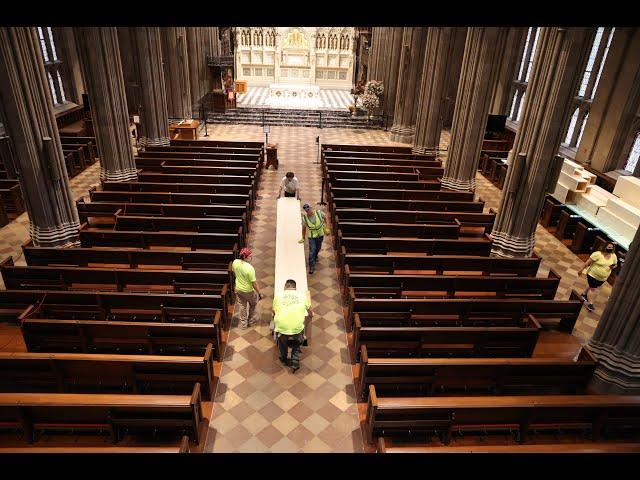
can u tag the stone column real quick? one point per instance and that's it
(376, 54)
(154, 126)
(534, 166)
(391, 62)
(197, 66)
(432, 90)
(616, 341)
(508, 58)
(477, 78)
(458, 41)
(66, 48)
(176, 72)
(31, 124)
(408, 89)
(102, 72)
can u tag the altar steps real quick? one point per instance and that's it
(293, 117)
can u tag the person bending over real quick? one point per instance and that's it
(290, 309)
(599, 266)
(290, 186)
(246, 289)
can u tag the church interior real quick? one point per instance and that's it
(476, 286)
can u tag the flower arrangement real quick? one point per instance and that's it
(375, 87)
(370, 102)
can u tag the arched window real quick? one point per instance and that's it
(53, 65)
(634, 155)
(524, 71)
(589, 84)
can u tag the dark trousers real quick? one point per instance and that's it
(296, 343)
(287, 194)
(315, 244)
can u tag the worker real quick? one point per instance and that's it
(290, 310)
(246, 289)
(313, 221)
(290, 186)
(599, 266)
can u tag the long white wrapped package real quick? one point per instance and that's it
(290, 261)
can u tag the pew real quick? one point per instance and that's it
(395, 230)
(475, 376)
(199, 170)
(241, 187)
(584, 237)
(333, 147)
(466, 219)
(423, 172)
(182, 448)
(122, 338)
(182, 224)
(88, 142)
(551, 212)
(90, 237)
(387, 184)
(385, 446)
(440, 264)
(425, 175)
(604, 416)
(332, 159)
(566, 225)
(447, 342)
(154, 164)
(552, 314)
(203, 144)
(33, 413)
(411, 205)
(171, 198)
(442, 195)
(105, 373)
(449, 286)
(156, 177)
(114, 279)
(11, 198)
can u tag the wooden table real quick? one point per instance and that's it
(185, 130)
(272, 155)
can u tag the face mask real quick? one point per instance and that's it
(609, 250)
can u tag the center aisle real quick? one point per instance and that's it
(260, 406)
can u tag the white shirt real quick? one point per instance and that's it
(289, 186)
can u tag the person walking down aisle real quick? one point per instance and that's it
(290, 309)
(313, 221)
(246, 288)
(599, 266)
(290, 185)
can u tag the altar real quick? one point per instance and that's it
(294, 95)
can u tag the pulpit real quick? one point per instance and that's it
(272, 155)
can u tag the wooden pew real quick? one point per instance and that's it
(335, 147)
(209, 282)
(551, 212)
(331, 159)
(199, 170)
(105, 373)
(567, 225)
(383, 446)
(410, 205)
(425, 174)
(386, 184)
(466, 219)
(90, 237)
(557, 314)
(109, 209)
(231, 154)
(410, 230)
(89, 143)
(11, 197)
(182, 448)
(156, 177)
(180, 224)
(130, 338)
(603, 415)
(450, 286)
(154, 164)
(448, 342)
(243, 186)
(204, 144)
(441, 264)
(32, 413)
(442, 195)
(79, 156)
(108, 306)
(475, 376)
(172, 198)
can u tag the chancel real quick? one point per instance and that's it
(477, 180)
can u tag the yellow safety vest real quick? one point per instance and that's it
(315, 229)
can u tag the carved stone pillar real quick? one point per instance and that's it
(616, 341)
(477, 78)
(391, 63)
(508, 58)
(66, 48)
(154, 126)
(534, 166)
(31, 124)
(99, 55)
(197, 66)
(432, 91)
(176, 72)
(376, 54)
(408, 89)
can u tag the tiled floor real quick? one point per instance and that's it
(260, 405)
(329, 99)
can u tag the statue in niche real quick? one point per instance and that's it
(295, 39)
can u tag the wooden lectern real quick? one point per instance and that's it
(184, 130)
(272, 155)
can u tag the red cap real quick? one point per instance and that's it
(245, 252)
